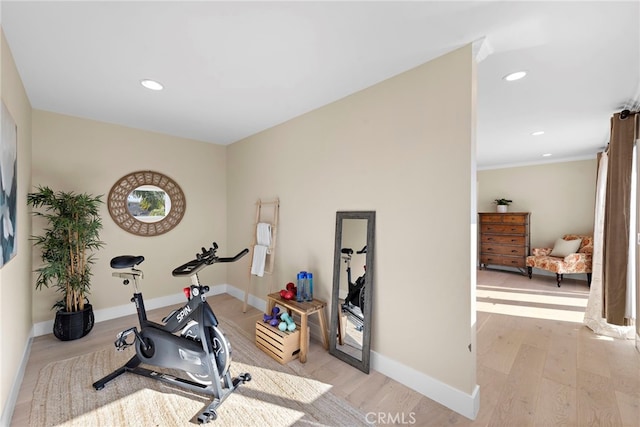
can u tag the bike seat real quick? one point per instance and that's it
(126, 261)
(347, 251)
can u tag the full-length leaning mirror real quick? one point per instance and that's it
(352, 296)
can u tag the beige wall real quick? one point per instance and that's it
(560, 197)
(401, 148)
(71, 153)
(15, 276)
(397, 142)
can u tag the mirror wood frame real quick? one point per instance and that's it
(117, 203)
(363, 364)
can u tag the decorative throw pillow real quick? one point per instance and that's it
(562, 248)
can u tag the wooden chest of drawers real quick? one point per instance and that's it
(504, 239)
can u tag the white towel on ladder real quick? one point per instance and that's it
(260, 251)
(259, 260)
(263, 234)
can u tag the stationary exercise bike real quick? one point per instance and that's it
(353, 305)
(188, 339)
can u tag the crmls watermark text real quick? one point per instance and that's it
(395, 418)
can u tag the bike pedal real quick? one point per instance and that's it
(121, 339)
(122, 347)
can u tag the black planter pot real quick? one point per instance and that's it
(73, 325)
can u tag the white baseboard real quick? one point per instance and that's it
(7, 412)
(253, 301)
(454, 399)
(465, 404)
(43, 328)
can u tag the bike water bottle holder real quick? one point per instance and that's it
(121, 339)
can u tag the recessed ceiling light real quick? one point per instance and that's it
(151, 84)
(546, 155)
(537, 133)
(515, 76)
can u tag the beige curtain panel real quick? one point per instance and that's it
(617, 217)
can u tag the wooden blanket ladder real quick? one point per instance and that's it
(267, 212)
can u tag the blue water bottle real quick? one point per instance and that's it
(301, 294)
(309, 286)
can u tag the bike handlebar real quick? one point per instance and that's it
(235, 258)
(204, 258)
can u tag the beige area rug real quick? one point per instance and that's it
(276, 395)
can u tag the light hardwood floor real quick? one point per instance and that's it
(537, 365)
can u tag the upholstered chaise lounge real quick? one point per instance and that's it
(566, 257)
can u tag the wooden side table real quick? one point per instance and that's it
(304, 309)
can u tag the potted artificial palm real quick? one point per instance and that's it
(67, 244)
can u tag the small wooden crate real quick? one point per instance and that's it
(282, 346)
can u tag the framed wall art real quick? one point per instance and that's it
(9, 185)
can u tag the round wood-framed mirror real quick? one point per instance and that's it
(146, 203)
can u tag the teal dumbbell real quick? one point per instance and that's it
(287, 323)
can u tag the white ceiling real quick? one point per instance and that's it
(231, 69)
